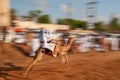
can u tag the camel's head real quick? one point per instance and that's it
(71, 39)
(58, 41)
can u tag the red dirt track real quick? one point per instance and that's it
(14, 60)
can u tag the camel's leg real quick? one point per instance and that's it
(38, 57)
(62, 57)
(40, 54)
(30, 66)
(55, 51)
(66, 56)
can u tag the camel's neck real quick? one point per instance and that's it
(69, 43)
(66, 47)
(59, 45)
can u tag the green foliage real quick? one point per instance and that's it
(114, 25)
(44, 19)
(61, 21)
(79, 24)
(99, 26)
(73, 23)
(13, 14)
(34, 14)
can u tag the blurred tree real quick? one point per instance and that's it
(73, 23)
(44, 19)
(114, 25)
(79, 24)
(13, 14)
(63, 21)
(99, 26)
(34, 14)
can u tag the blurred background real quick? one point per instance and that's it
(19, 18)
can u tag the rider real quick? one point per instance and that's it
(46, 40)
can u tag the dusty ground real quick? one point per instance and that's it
(82, 66)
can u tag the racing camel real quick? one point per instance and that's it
(62, 50)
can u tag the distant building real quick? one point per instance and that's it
(4, 13)
(34, 25)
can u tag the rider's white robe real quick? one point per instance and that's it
(46, 40)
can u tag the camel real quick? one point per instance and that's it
(62, 50)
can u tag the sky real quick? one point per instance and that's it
(61, 8)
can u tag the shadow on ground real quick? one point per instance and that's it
(9, 67)
(22, 49)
